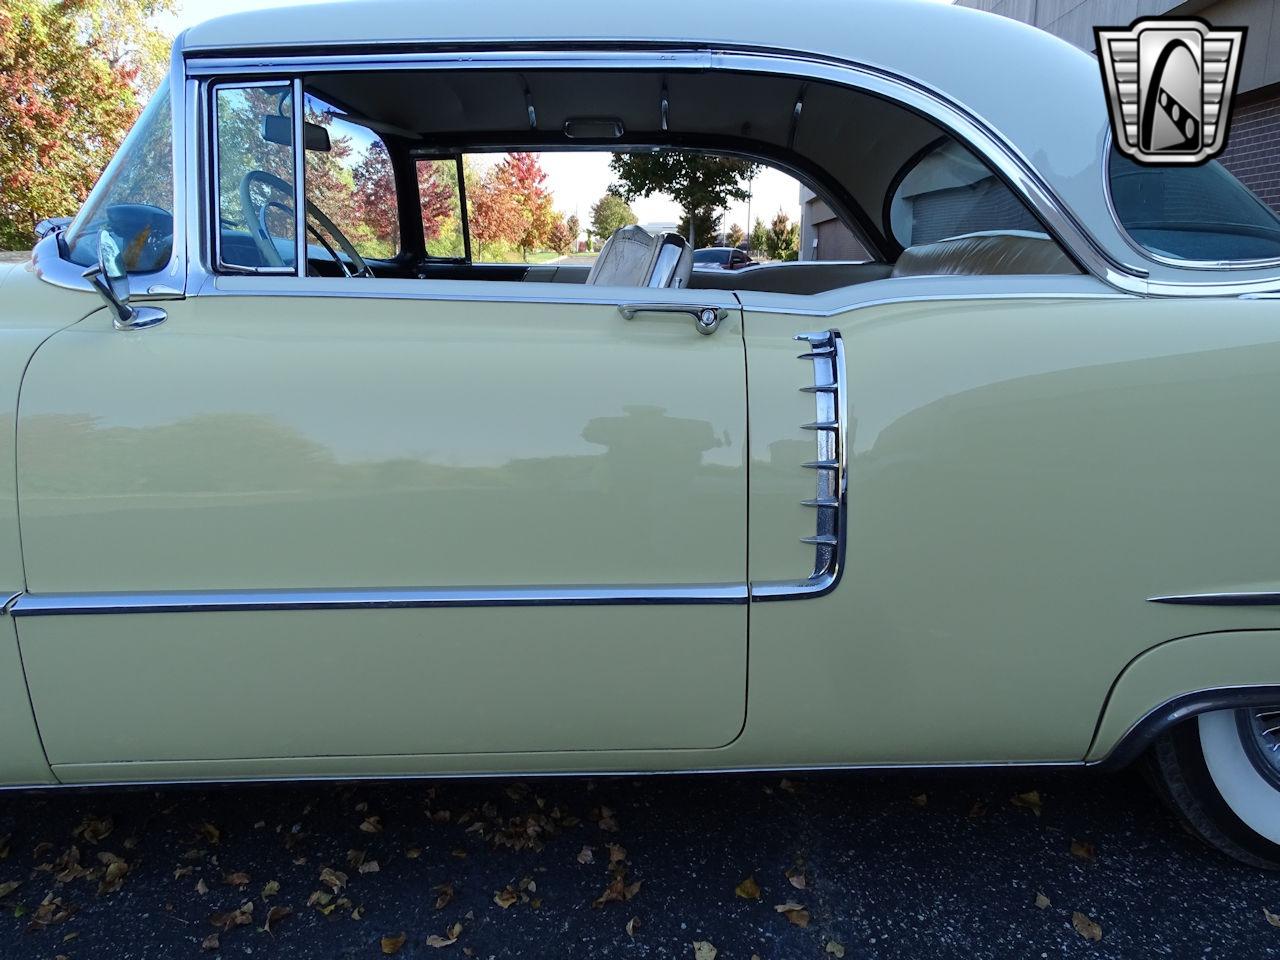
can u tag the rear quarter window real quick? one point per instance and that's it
(1197, 214)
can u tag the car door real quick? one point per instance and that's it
(330, 519)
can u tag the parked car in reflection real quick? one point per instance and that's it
(721, 258)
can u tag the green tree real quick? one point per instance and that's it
(759, 237)
(704, 229)
(783, 239)
(611, 213)
(72, 78)
(735, 236)
(697, 182)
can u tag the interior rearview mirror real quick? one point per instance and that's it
(277, 129)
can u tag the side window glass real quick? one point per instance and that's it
(256, 219)
(350, 180)
(134, 198)
(441, 208)
(948, 192)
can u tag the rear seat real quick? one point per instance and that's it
(980, 254)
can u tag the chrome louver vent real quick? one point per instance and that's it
(826, 352)
(830, 467)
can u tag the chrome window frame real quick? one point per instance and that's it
(210, 101)
(965, 127)
(190, 70)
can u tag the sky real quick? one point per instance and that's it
(576, 180)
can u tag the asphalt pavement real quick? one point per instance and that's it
(915, 865)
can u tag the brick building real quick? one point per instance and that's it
(1253, 140)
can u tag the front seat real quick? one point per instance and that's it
(634, 257)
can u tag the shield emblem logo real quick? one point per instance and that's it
(1169, 86)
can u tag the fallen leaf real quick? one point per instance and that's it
(372, 825)
(787, 785)
(1028, 801)
(438, 941)
(978, 810)
(1083, 850)
(392, 944)
(210, 942)
(835, 949)
(632, 926)
(702, 950)
(920, 800)
(1272, 918)
(505, 897)
(270, 889)
(617, 853)
(445, 895)
(237, 879)
(606, 821)
(455, 931)
(210, 832)
(797, 879)
(413, 853)
(275, 915)
(335, 880)
(358, 913)
(748, 889)
(113, 876)
(201, 887)
(794, 912)
(240, 917)
(355, 858)
(93, 829)
(369, 866)
(585, 855)
(1042, 901)
(181, 872)
(8, 887)
(319, 898)
(1086, 927)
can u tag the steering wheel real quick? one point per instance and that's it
(256, 220)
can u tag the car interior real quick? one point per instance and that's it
(918, 201)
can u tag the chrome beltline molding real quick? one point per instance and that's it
(1250, 598)
(212, 601)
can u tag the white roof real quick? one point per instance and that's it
(1039, 92)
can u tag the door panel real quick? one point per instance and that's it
(332, 443)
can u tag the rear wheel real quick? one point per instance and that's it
(1221, 774)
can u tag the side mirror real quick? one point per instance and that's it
(111, 279)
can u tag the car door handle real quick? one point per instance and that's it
(706, 319)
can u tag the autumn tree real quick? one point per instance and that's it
(735, 236)
(699, 183)
(73, 75)
(574, 226)
(560, 240)
(609, 214)
(783, 239)
(522, 177)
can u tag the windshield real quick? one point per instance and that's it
(134, 197)
(1192, 213)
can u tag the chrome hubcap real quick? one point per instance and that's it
(1265, 725)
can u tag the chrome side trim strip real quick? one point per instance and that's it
(222, 601)
(1260, 598)
(830, 503)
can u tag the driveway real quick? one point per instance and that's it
(15, 256)
(860, 866)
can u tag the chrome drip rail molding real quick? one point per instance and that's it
(830, 502)
(219, 601)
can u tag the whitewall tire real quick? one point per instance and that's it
(1221, 776)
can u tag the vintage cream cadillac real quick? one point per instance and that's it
(1008, 492)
